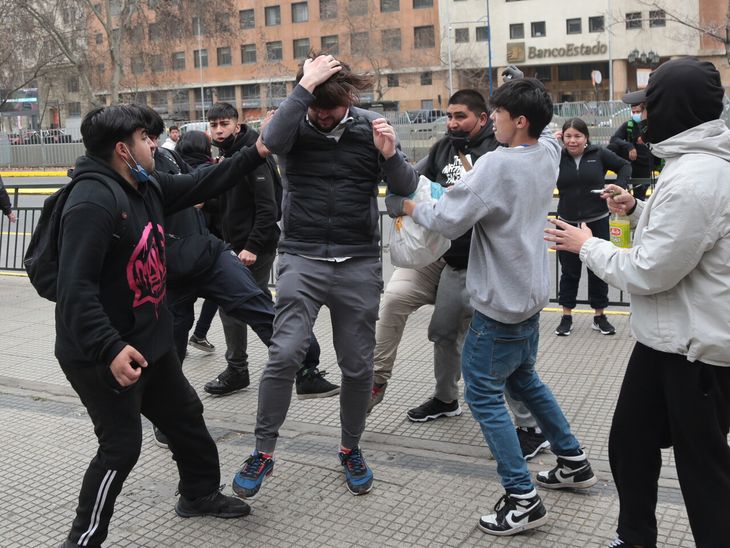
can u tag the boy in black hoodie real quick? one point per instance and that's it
(113, 330)
(249, 213)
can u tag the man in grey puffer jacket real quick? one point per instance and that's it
(676, 392)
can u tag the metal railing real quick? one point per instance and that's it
(14, 238)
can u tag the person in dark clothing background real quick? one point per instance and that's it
(249, 214)
(5, 204)
(194, 148)
(628, 143)
(113, 331)
(583, 168)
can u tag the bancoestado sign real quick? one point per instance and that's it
(569, 50)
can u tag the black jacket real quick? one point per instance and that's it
(443, 166)
(574, 184)
(190, 246)
(249, 212)
(111, 293)
(5, 205)
(626, 139)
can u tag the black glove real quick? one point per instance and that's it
(394, 205)
(512, 73)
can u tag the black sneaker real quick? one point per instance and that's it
(310, 384)
(569, 473)
(160, 438)
(217, 505)
(201, 343)
(601, 323)
(531, 441)
(376, 395)
(433, 409)
(358, 476)
(228, 382)
(514, 514)
(618, 541)
(565, 326)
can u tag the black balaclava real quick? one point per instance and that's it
(682, 93)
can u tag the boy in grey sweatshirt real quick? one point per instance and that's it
(506, 198)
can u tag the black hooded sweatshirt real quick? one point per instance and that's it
(249, 211)
(444, 167)
(111, 292)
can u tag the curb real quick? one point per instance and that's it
(10, 174)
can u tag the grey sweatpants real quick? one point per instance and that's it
(351, 291)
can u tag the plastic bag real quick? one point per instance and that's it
(414, 246)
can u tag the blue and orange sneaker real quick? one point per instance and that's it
(248, 480)
(358, 476)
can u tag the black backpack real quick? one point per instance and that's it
(41, 257)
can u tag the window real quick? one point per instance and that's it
(393, 81)
(566, 73)
(596, 24)
(272, 15)
(200, 58)
(389, 5)
(657, 18)
(299, 12)
(543, 73)
(157, 62)
(198, 26)
(222, 22)
(153, 32)
(426, 78)
(573, 26)
(538, 29)
(327, 9)
(633, 20)
(426, 104)
(277, 90)
(159, 100)
(423, 37)
(461, 36)
(115, 7)
(331, 44)
(357, 7)
(223, 56)
(226, 94)
(274, 51)
(246, 19)
(517, 31)
(301, 48)
(178, 60)
(136, 34)
(137, 65)
(358, 43)
(73, 109)
(250, 95)
(390, 39)
(417, 4)
(99, 38)
(72, 84)
(248, 53)
(481, 34)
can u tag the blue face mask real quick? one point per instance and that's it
(636, 117)
(138, 172)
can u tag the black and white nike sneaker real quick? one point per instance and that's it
(514, 514)
(570, 473)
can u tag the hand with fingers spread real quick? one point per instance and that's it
(384, 137)
(126, 367)
(318, 71)
(567, 237)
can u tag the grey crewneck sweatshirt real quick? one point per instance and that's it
(506, 198)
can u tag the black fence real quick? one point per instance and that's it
(27, 202)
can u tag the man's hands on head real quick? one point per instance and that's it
(512, 73)
(384, 137)
(127, 366)
(318, 70)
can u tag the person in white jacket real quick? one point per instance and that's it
(676, 391)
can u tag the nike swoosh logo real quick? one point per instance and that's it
(566, 476)
(514, 519)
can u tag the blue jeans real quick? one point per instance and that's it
(499, 356)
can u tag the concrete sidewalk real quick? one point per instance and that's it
(432, 480)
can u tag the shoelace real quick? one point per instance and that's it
(355, 463)
(504, 504)
(253, 465)
(616, 542)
